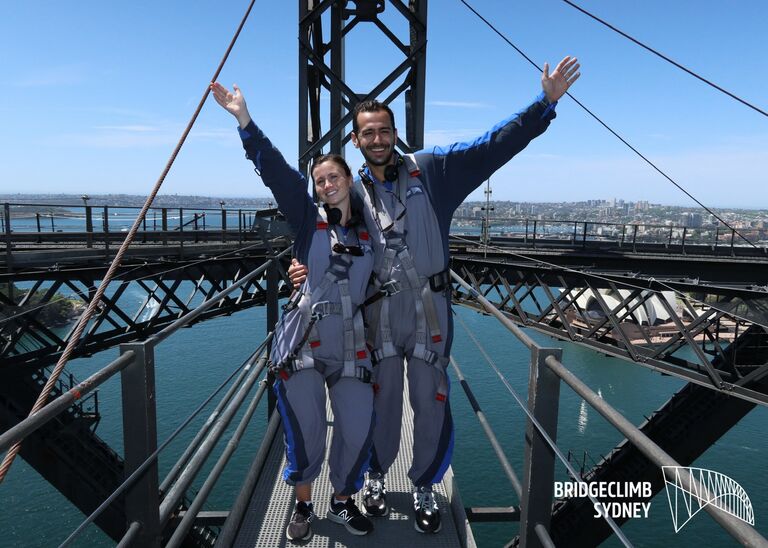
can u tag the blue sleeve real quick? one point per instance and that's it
(452, 173)
(288, 186)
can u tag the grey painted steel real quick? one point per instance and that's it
(525, 339)
(273, 279)
(130, 535)
(176, 493)
(140, 438)
(539, 460)
(35, 421)
(542, 432)
(231, 526)
(272, 504)
(187, 318)
(195, 443)
(503, 460)
(741, 531)
(189, 518)
(542, 534)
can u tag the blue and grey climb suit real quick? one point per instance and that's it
(333, 350)
(409, 220)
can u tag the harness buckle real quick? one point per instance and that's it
(320, 310)
(390, 288)
(440, 282)
(364, 375)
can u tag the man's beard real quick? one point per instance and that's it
(373, 162)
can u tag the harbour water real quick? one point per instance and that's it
(193, 362)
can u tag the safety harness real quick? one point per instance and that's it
(393, 231)
(313, 309)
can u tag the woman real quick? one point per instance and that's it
(320, 338)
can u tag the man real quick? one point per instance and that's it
(410, 201)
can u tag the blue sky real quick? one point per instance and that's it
(95, 95)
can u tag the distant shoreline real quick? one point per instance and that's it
(216, 202)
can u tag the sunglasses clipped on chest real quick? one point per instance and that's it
(354, 250)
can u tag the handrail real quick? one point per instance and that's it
(741, 531)
(186, 523)
(140, 470)
(36, 420)
(525, 339)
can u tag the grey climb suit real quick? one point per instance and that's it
(301, 392)
(434, 188)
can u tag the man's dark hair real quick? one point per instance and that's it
(370, 106)
(335, 158)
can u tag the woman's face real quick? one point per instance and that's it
(332, 184)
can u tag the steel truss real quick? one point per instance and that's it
(322, 69)
(686, 332)
(144, 298)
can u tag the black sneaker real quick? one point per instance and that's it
(426, 512)
(299, 528)
(348, 515)
(375, 496)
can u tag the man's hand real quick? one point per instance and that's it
(556, 84)
(234, 103)
(297, 273)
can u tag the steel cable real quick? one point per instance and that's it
(606, 126)
(83, 321)
(667, 59)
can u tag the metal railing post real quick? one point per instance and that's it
(8, 243)
(273, 280)
(105, 223)
(539, 459)
(89, 226)
(223, 225)
(142, 499)
(164, 224)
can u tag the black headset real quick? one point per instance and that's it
(391, 172)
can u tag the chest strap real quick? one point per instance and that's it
(312, 310)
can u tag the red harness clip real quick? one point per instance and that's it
(363, 235)
(440, 397)
(436, 338)
(314, 344)
(361, 354)
(284, 374)
(322, 225)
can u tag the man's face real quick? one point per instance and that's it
(375, 137)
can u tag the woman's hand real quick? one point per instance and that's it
(234, 103)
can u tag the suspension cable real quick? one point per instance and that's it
(83, 321)
(542, 432)
(606, 126)
(667, 59)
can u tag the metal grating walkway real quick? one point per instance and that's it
(272, 503)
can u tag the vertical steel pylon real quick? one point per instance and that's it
(322, 72)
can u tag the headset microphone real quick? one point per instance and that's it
(333, 214)
(390, 173)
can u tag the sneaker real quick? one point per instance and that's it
(375, 497)
(350, 517)
(426, 512)
(299, 528)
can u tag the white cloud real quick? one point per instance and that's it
(442, 137)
